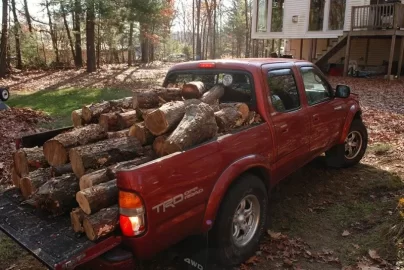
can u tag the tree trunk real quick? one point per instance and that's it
(77, 118)
(214, 30)
(247, 41)
(56, 150)
(17, 29)
(52, 33)
(158, 145)
(193, 90)
(118, 134)
(126, 119)
(197, 126)
(94, 198)
(29, 159)
(4, 40)
(27, 16)
(77, 218)
(140, 132)
(213, 95)
(109, 121)
(58, 194)
(15, 178)
(165, 118)
(198, 32)
(148, 99)
(30, 183)
(130, 46)
(90, 34)
(241, 108)
(78, 60)
(62, 8)
(91, 113)
(144, 43)
(101, 223)
(104, 153)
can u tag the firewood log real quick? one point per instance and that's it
(57, 195)
(242, 108)
(31, 182)
(77, 217)
(15, 178)
(77, 118)
(61, 170)
(140, 132)
(29, 159)
(109, 121)
(158, 145)
(123, 103)
(213, 95)
(151, 98)
(165, 118)
(101, 223)
(250, 119)
(197, 126)
(142, 113)
(228, 118)
(91, 113)
(104, 153)
(118, 134)
(193, 90)
(94, 198)
(56, 149)
(127, 119)
(111, 170)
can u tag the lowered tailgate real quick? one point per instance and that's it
(50, 239)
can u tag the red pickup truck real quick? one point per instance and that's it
(220, 187)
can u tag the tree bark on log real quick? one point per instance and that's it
(197, 126)
(142, 113)
(228, 118)
(77, 218)
(109, 121)
(193, 90)
(123, 103)
(15, 178)
(29, 159)
(111, 170)
(140, 132)
(151, 98)
(165, 118)
(126, 119)
(77, 118)
(94, 178)
(158, 145)
(250, 119)
(104, 153)
(213, 95)
(58, 194)
(94, 198)
(56, 149)
(101, 223)
(242, 108)
(30, 183)
(61, 170)
(91, 113)
(118, 134)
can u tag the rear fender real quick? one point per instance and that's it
(225, 180)
(353, 110)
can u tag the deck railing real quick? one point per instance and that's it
(378, 17)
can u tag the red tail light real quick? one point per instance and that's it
(207, 65)
(131, 212)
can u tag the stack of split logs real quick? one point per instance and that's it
(75, 171)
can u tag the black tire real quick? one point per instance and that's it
(4, 94)
(336, 156)
(226, 251)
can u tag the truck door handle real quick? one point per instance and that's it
(315, 117)
(338, 108)
(284, 128)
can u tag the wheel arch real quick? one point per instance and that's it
(254, 164)
(353, 114)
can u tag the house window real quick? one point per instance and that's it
(262, 15)
(277, 16)
(316, 15)
(337, 15)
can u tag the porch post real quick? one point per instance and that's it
(301, 49)
(391, 58)
(367, 51)
(311, 50)
(347, 55)
(400, 60)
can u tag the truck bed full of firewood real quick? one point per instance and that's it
(74, 172)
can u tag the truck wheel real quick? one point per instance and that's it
(241, 221)
(352, 151)
(4, 94)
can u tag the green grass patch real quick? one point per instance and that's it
(60, 103)
(380, 148)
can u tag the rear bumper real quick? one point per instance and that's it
(115, 259)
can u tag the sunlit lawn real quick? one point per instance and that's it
(60, 103)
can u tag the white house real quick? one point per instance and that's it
(329, 31)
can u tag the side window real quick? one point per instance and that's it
(284, 94)
(316, 88)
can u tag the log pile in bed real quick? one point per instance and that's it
(74, 172)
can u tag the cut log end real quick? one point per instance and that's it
(156, 122)
(89, 230)
(55, 153)
(77, 162)
(76, 217)
(77, 118)
(26, 187)
(83, 202)
(15, 177)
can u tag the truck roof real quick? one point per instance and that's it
(241, 62)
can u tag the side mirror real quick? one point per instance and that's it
(343, 91)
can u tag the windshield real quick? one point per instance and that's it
(237, 84)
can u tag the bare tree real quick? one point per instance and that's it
(78, 60)
(27, 16)
(198, 32)
(90, 34)
(3, 46)
(17, 29)
(52, 33)
(69, 36)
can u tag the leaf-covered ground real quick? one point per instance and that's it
(320, 218)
